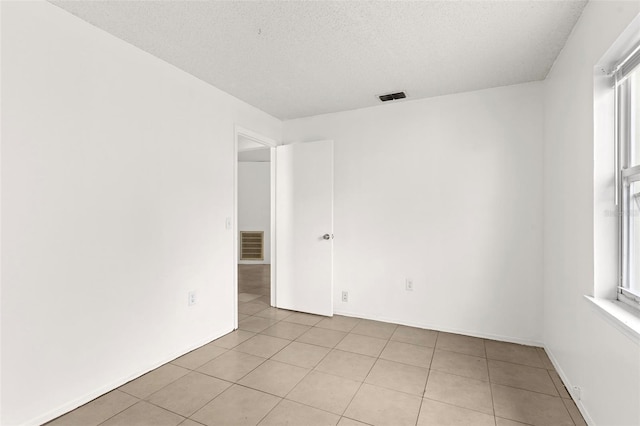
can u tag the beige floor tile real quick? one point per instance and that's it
(529, 407)
(96, 411)
(460, 391)
(304, 319)
(255, 324)
(434, 413)
(247, 297)
(557, 381)
(522, 377)
(301, 354)
(463, 344)
(325, 391)
(265, 300)
(189, 393)
(144, 414)
(363, 345)
(253, 289)
(250, 308)
(189, 422)
(322, 337)
(415, 336)
(575, 414)
(273, 313)
(274, 377)
(339, 323)
(242, 316)
(381, 330)
(154, 380)
(346, 364)
(420, 356)
(231, 366)
(237, 406)
(380, 406)
(506, 422)
(511, 352)
(460, 364)
(199, 357)
(397, 376)
(294, 414)
(286, 330)
(344, 421)
(233, 339)
(546, 361)
(262, 346)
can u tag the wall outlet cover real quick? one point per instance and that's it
(409, 284)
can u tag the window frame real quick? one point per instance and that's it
(625, 174)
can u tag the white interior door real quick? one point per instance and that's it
(304, 227)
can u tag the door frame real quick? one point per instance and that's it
(271, 144)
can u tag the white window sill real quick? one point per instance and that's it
(623, 317)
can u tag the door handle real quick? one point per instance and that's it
(327, 236)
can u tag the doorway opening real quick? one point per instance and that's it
(255, 223)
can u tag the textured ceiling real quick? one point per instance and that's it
(300, 58)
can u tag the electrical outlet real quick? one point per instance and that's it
(345, 296)
(408, 284)
(192, 298)
(577, 392)
(227, 223)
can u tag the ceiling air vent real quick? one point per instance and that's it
(392, 96)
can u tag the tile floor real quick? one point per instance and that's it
(289, 368)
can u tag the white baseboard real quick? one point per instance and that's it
(567, 384)
(90, 396)
(437, 327)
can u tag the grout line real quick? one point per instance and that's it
(528, 390)
(182, 415)
(424, 390)
(190, 419)
(460, 406)
(115, 414)
(150, 403)
(459, 375)
(259, 390)
(518, 421)
(311, 406)
(103, 422)
(493, 404)
(462, 353)
(355, 420)
(516, 363)
(268, 412)
(365, 377)
(158, 390)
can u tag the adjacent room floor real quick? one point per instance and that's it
(284, 367)
(254, 280)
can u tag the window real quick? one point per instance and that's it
(627, 105)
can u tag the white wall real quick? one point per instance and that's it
(117, 177)
(446, 191)
(254, 203)
(587, 349)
